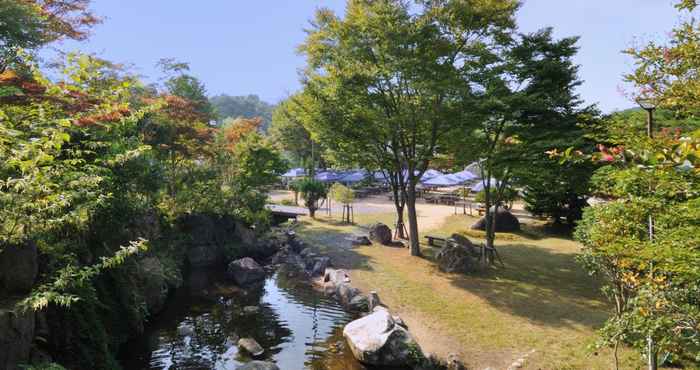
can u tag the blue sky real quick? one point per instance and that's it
(241, 47)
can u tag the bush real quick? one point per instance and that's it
(312, 191)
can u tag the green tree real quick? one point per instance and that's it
(248, 106)
(30, 24)
(386, 76)
(312, 191)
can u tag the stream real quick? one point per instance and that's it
(299, 327)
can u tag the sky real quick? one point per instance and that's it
(241, 47)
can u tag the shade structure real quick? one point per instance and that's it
(328, 176)
(430, 174)
(295, 172)
(465, 176)
(452, 179)
(479, 186)
(352, 177)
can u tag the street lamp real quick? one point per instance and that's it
(650, 106)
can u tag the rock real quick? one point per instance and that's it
(185, 330)
(456, 258)
(377, 340)
(359, 303)
(336, 277)
(258, 365)
(454, 362)
(380, 233)
(16, 337)
(361, 240)
(251, 346)
(152, 284)
(19, 266)
(505, 222)
(305, 252)
(373, 301)
(245, 270)
(320, 266)
(209, 235)
(251, 310)
(346, 293)
(204, 255)
(245, 234)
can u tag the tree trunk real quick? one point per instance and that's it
(412, 219)
(651, 354)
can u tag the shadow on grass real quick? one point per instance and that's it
(541, 285)
(334, 239)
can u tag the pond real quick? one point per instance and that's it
(299, 327)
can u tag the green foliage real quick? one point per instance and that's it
(249, 106)
(312, 191)
(341, 193)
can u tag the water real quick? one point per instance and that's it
(298, 327)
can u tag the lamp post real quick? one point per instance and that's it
(649, 106)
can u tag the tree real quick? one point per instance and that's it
(526, 103)
(312, 191)
(386, 77)
(30, 24)
(288, 132)
(345, 196)
(248, 106)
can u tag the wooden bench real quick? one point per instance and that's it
(432, 239)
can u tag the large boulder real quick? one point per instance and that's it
(16, 337)
(152, 283)
(208, 234)
(245, 271)
(505, 222)
(245, 234)
(378, 340)
(380, 233)
(258, 365)
(19, 266)
(457, 258)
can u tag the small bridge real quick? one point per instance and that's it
(282, 214)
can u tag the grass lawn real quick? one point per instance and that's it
(541, 303)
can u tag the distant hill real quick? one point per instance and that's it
(248, 106)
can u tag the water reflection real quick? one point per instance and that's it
(298, 327)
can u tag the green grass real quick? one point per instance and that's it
(542, 300)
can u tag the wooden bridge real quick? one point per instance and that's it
(282, 214)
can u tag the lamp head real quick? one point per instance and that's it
(646, 103)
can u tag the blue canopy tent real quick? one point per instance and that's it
(328, 176)
(295, 172)
(453, 179)
(353, 177)
(430, 174)
(480, 185)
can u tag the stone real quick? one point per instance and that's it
(251, 310)
(361, 240)
(258, 365)
(152, 284)
(377, 340)
(346, 293)
(16, 337)
(19, 266)
(185, 330)
(245, 271)
(305, 252)
(251, 346)
(456, 258)
(454, 362)
(336, 277)
(373, 301)
(320, 266)
(505, 222)
(204, 255)
(359, 303)
(380, 233)
(245, 234)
